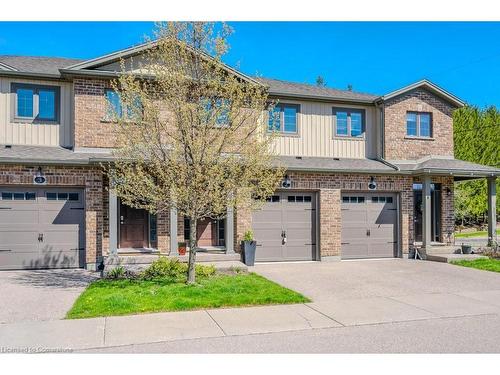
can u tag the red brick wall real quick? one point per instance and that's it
(400, 147)
(91, 129)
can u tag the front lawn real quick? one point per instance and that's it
(481, 264)
(480, 233)
(124, 296)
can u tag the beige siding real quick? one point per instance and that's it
(40, 134)
(316, 135)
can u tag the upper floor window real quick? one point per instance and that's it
(35, 103)
(115, 107)
(349, 122)
(283, 118)
(217, 107)
(418, 124)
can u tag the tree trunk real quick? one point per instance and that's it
(193, 245)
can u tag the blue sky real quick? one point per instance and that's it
(374, 57)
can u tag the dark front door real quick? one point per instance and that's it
(205, 232)
(435, 212)
(133, 227)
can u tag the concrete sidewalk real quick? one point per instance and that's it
(160, 327)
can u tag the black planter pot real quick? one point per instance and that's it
(248, 248)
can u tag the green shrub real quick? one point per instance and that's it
(174, 270)
(164, 268)
(116, 273)
(248, 236)
(205, 271)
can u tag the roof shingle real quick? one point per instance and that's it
(37, 64)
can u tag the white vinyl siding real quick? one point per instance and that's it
(39, 133)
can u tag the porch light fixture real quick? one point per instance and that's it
(287, 182)
(39, 178)
(372, 185)
(448, 191)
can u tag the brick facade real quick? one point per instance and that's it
(400, 147)
(91, 128)
(329, 187)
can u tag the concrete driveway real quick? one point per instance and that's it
(385, 291)
(40, 295)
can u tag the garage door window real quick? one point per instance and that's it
(382, 199)
(18, 196)
(299, 198)
(273, 199)
(347, 199)
(62, 196)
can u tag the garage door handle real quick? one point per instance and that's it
(368, 233)
(5, 250)
(345, 243)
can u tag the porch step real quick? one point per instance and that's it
(447, 258)
(438, 250)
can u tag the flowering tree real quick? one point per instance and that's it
(191, 131)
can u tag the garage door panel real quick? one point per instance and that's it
(293, 213)
(18, 237)
(16, 215)
(60, 221)
(354, 250)
(368, 225)
(298, 253)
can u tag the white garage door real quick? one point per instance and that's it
(41, 228)
(369, 225)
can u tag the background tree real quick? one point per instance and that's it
(476, 135)
(192, 133)
(320, 81)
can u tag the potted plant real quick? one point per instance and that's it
(182, 248)
(248, 246)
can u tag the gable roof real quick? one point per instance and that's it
(39, 65)
(303, 90)
(425, 83)
(94, 64)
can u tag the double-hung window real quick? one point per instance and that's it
(35, 103)
(419, 124)
(283, 118)
(349, 122)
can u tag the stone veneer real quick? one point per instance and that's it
(400, 147)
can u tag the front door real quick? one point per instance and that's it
(205, 230)
(435, 212)
(133, 227)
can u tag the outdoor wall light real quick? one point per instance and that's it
(448, 191)
(372, 185)
(39, 178)
(287, 182)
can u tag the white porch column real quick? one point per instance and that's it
(492, 204)
(174, 248)
(229, 240)
(113, 223)
(426, 214)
